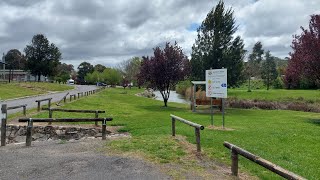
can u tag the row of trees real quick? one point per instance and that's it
(41, 58)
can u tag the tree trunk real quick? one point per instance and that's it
(165, 102)
(9, 75)
(39, 75)
(249, 86)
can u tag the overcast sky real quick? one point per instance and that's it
(110, 31)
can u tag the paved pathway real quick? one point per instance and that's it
(30, 101)
(78, 160)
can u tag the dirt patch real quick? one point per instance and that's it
(219, 128)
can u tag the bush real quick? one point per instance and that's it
(182, 87)
(278, 83)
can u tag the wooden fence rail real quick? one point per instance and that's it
(197, 128)
(235, 150)
(63, 99)
(96, 112)
(32, 120)
(39, 101)
(24, 107)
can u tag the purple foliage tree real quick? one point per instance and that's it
(165, 69)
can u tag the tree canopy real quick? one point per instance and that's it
(304, 62)
(42, 57)
(165, 69)
(216, 47)
(268, 70)
(83, 69)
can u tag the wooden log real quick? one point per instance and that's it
(29, 132)
(264, 163)
(195, 125)
(173, 127)
(16, 107)
(4, 124)
(104, 130)
(65, 119)
(75, 110)
(63, 99)
(197, 132)
(47, 99)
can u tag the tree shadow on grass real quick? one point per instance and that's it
(159, 108)
(314, 121)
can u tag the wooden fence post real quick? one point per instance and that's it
(49, 103)
(3, 124)
(104, 129)
(50, 115)
(38, 106)
(197, 132)
(25, 110)
(96, 116)
(78, 95)
(70, 97)
(173, 127)
(65, 99)
(29, 133)
(234, 163)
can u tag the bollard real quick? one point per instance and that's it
(49, 103)
(104, 129)
(3, 124)
(38, 106)
(173, 127)
(234, 163)
(29, 133)
(197, 132)
(25, 110)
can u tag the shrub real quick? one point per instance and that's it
(182, 87)
(278, 83)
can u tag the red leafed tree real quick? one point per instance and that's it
(304, 64)
(165, 69)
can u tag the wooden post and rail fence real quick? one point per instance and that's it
(96, 112)
(236, 151)
(34, 120)
(39, 102)
(197, 128)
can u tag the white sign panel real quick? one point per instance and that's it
(216, 83)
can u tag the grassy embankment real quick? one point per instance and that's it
(15, 90)
(287, 138)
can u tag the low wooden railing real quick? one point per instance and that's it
(235, 151)
(24, 108)
(96, 112)
(197, 128)
(39, 101)
(32, 120)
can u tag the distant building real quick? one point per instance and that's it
(20, 75)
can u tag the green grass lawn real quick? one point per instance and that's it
(14, 90)
(287, 138)
(280, 95)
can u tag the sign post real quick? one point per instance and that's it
(216, 86)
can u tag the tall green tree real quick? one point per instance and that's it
(112, 76)
(130, 69)
(83, 69)
(99, 67)
(14, 60)
(216, 47)
(42, 56)
(253, 65)
(63, 72)
(269, 70)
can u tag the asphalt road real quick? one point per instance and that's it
(30, 101)
(79, 160)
